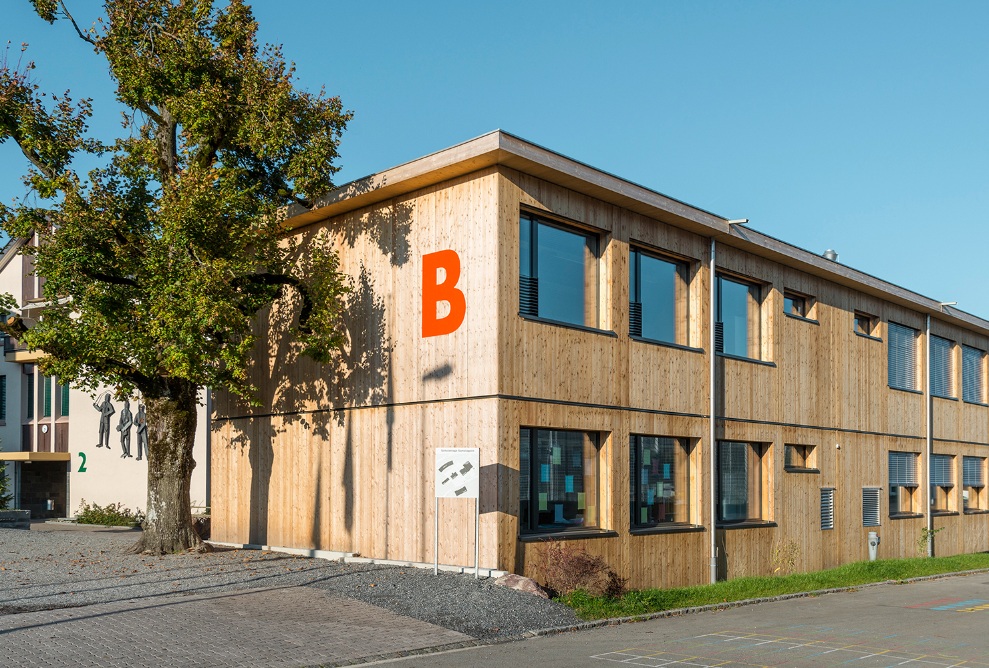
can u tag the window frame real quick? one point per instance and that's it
(974, 491)
(683, 451)
(681, 299)
(529, 292)
(895, 334)
(807, 305)
(758, 457)
(872, 322)
(903, 488)
(976, 395)
(806, 457)
(529, 526)
(941, 483)
(754, 302)
(942, 371)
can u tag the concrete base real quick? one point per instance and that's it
(15, 519)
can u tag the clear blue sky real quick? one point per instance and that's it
(860, 126)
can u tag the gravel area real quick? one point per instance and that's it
(53, 567)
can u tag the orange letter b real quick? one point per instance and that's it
(434, 292)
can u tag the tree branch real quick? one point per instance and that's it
(281, 279)
(109, 278)
(76, 25)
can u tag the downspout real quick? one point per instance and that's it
(711, 435)
(929, 447)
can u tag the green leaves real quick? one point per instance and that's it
(157, 263)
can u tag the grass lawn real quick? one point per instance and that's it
(863, 572)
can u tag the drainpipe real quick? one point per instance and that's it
(711, 409)
(929, 446)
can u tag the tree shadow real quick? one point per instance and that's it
(305, 402)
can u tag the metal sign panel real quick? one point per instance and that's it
(457, 473)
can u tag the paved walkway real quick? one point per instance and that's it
(293, 626)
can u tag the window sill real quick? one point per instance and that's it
(977, 511)
(569, 325)
(667, 344)
(747, 524)
(746, 359)
(801, 318)
(575, 534)
(905, 516)
(975, 403)
(867, 336)
(943, 513)
(794, 469)
(666, 528)
(938, 396)
(903, 389)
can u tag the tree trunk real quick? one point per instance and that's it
(171, 438)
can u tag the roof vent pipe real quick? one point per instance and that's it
(830, 254)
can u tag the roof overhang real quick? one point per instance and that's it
(502, 148)
(35, 456)
(23, 356)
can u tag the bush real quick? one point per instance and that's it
(111, 515)
(567, 568)
(5, 496)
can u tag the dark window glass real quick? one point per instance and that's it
(794, 305)
(655, 284)
(738, 316)
(864, 324)
(740, 481)
(557, 273)
(3, 397)
(660, 481)
(558, 480)
(30, 397)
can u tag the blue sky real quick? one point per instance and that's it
(859, 126)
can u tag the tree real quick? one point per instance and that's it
(157, 262)
(5, 496)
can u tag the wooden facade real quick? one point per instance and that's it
(340, 456)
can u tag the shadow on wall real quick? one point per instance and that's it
(298, 393)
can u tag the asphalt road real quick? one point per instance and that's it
(925, 624)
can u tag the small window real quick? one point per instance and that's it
(827, 508)
(973, 483)
(658, 304)
(3, 397)
(903, 483)
(64, 401)
(796, 304)
(902, 357)
(870, 506)
(558, 272)
(660, 481)
(800, 458)
(941, 368)
(865, 324)
(743, 472)
(737, 330)
(973, 375)
(942, 480)
(47, 384)
(558, 480)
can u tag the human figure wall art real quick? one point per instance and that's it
(105, 409)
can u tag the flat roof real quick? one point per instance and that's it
(502, 148)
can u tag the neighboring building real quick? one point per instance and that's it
(560, 319)
(49, 431)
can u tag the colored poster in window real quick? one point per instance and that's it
(543, 501)
(557, 458)
(544, 473)
(580, 500)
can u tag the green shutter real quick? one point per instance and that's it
(3, 397)
(48, 396)
(65, 401)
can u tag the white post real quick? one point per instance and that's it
(477, 536)
(929, 423)
(436, 536)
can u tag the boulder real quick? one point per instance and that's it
(520, 583)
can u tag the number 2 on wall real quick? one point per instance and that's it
(82, 464)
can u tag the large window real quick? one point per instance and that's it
(902, 483)
(973, 483)
(902, 357)
(941, 368)
(558, 275)
(942, 481)
(742, 482)
(558, 480)
(660, 481)
(657, 298)
(738, 317)
(973, 376)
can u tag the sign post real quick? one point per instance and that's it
(457, 477)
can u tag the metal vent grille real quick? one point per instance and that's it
(635, 318)
(827, 509)
(719, 337)
(529, 295)
(870, 506)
